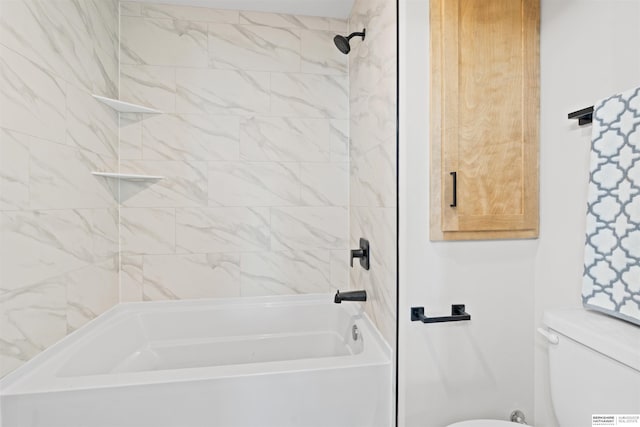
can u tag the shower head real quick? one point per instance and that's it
(342, 42)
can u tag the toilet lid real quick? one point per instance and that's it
(484, 423)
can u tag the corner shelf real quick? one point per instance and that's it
(126, 107)
(127, 176)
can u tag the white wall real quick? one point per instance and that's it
(486, 368)
(588, 50)
(450, 372)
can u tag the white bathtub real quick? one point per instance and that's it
(268, 361)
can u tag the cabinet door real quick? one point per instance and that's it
(484, 119)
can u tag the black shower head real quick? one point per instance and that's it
(342, 42)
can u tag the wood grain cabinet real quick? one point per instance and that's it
(484, 119)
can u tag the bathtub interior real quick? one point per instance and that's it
(214, 336)
(164, 341)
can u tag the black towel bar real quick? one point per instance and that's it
(458, 313)
(584, 116)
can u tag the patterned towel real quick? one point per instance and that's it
(611, 282)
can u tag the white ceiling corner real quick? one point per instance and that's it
(326, 8)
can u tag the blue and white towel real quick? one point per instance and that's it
(611, 282)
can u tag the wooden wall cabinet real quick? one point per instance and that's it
(484, 119)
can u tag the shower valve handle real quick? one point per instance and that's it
(362, 253)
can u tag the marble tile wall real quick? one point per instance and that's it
(372, 103)
(253, 143)
(58, 223)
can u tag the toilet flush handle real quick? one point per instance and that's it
(550, 336)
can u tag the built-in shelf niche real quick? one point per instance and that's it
(128, 176)
(126, 107)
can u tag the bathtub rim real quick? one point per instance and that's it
(24, 380)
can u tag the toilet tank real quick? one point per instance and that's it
(594, 367)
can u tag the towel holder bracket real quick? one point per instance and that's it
(584, 116)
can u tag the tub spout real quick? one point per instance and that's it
(350, 296)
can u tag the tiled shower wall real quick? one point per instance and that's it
(253, 144)
(58, 223)
(372, 76)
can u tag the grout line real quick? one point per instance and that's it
(120, 292)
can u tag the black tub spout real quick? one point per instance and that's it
(350, 296)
